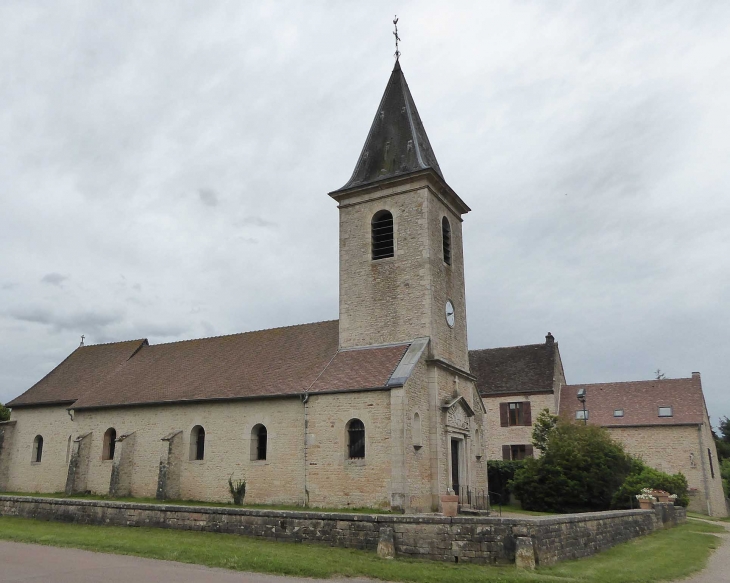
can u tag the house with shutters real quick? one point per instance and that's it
(376, 409)
(516, 383)
(664, 422)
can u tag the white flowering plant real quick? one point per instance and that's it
(646, 494)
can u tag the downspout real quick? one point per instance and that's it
(305, 398)
(704, 472)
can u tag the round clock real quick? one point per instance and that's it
(450, 314)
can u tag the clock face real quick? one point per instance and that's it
(450, 319)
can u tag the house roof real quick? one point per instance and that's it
(397, 142)
(265, 363)
(515, 369)
(640, 401)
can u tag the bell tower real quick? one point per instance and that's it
(401, 246)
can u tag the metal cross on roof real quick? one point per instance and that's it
(82, 340)
(397, 38)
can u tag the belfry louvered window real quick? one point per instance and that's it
(446, 235)
(382, 235)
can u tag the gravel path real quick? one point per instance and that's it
(718, 568)
(38, 563)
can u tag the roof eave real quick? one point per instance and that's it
(441, 187)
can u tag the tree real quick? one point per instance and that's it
(580, 470)
(544, 424)
(4, 413)
(722, 438)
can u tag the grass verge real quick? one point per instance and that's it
(705, 517)
(195, 503)
(645, 560)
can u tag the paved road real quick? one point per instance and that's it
(41, 564)
(718, 568)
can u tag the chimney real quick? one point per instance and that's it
(549, 339)
(696, 376)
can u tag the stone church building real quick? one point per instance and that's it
(376, 409)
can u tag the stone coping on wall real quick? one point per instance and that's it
(314, 514)
(526, 541)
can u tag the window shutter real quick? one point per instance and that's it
(527, 412)
(506, 452)
(529, 451)
(504, 415)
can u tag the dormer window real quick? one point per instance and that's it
(665, 412)
(446, 237)
(618, 412)
(382, 235)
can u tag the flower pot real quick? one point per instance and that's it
(646, 504)
(662, 497)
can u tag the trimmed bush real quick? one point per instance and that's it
(580, 470)
(642, 476)
(499, 474)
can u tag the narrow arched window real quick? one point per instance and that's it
(37, 449)
(416, 430)
(446, 236)
(382, 235)
(355, 439)
(110, 443)
(197, 443)
(259, 442)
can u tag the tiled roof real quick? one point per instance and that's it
(514, 369)
(79, 373)
(640, 401)
(266, 363)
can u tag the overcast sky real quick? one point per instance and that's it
(164, 170)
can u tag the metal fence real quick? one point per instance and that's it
(473, 498)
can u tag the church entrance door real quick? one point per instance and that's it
(455, 465)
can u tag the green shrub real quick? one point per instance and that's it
(580, 469)
(725, 474)
(237, 489)
(4, 413)
(642, 476)
(499, 474)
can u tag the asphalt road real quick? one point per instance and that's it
(42, 564)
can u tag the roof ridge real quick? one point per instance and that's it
(111, 343)
(509, 347)
(243, 333)
(629, 382)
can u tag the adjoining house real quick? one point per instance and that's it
(515, 384)
(378, 408)
(664, 422)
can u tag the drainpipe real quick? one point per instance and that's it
(704, 471)
(305, 398)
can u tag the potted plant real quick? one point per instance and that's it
(646, 499)
(661, 495)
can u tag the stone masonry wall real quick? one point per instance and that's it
(459, 539)
(498, 436)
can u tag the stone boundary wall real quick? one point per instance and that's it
(491, 540)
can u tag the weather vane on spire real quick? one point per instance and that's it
(397, 38)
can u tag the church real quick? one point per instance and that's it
(378, 409)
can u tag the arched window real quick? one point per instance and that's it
(197, 443)
(355, 439)
(416, 431)
(446, 235)
(382, 235)
(37, 449)
(258, 442)
(110, 443)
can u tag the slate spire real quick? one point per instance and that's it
(397, 143)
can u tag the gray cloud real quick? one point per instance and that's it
(208, 197)
(54, 279)
(619, 106)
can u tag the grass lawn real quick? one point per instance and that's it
(196, 503)
(652, 558)
(705, 517)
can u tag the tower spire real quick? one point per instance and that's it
(397, 143)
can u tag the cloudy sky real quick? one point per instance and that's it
(164, 169)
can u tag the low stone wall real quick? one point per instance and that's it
(493, 540)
